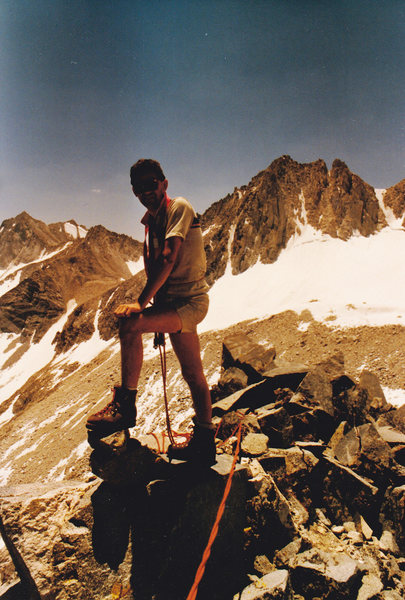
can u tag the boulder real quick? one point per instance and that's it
(229, 424)
(371, 585)
(344, 493)
(277, 425)
(240, 351)
(273, 586)
(326, 575)
(395, 418)
(392, 514)
(316, 388)
(231, 380)
(269, 515)
(351, 405)
(376, 402)
(254, 444)
(312, 425)
(363, 449)
(50, 528)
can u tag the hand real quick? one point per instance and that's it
(126, 310)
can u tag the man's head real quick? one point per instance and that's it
(148, 183)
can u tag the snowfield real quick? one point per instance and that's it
(345, 284)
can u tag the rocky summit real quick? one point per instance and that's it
(257, 221)
(316, 503)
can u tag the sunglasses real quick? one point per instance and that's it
(149, 184)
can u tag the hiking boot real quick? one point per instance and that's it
(200, 449)
(119, 414)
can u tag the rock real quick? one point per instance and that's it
(390, 434)
(338, 529)
(239, 351)
(363, 527)
(52, 529)
(376, 399)
(317, 390)
(230, 422)
(338, 435)
(351, 405)
(326, 575)
(231, 380)
(254, 396)
(371, 586)
(344, 493)
(363, 449)
(349, 526)
(277, 425)
(394, 418)
(388, 543)
(273, 586)
(355, 537)
(312, 425)
(389, 595)
(121, 461)
(399, 453)
(333, 366)
(286, 556)
(269, 515)
(262, 565)
(254, 444)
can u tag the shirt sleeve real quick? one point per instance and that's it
(179, 218)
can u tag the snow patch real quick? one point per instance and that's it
(135, 265)
(74, 230)
(356, 281)
(392, 221)
(396, 397)
(13, 269)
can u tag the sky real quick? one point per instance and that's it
(213, 89)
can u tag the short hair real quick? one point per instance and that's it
(146, 166)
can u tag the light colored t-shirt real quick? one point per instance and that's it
(179, 219)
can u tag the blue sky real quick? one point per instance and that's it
(214, 89)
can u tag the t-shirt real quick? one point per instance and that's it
(177, 218)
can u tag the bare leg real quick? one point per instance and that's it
(131, 330)
(187, 349)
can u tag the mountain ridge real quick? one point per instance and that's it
(76, 289)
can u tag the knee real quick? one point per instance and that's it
(128, 327)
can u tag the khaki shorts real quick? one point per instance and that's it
(190, 310)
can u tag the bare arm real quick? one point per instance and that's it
(157, 276)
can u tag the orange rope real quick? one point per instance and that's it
(163, 364)
(200, 571)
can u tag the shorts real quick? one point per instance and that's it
(191, 310)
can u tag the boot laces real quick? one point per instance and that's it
(111, 408)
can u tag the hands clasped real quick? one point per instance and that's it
(126, 310)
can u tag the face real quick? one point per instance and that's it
(150, 191)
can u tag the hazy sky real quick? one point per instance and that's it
(214, 89)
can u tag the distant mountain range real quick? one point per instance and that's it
(49, 267)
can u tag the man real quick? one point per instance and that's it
(175, 266)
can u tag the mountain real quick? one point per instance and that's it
(300, 254)
(255, 222)
(58, 270)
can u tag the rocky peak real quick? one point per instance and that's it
(82, 271)
(256, 221)
(394, 198)
(24, 239)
